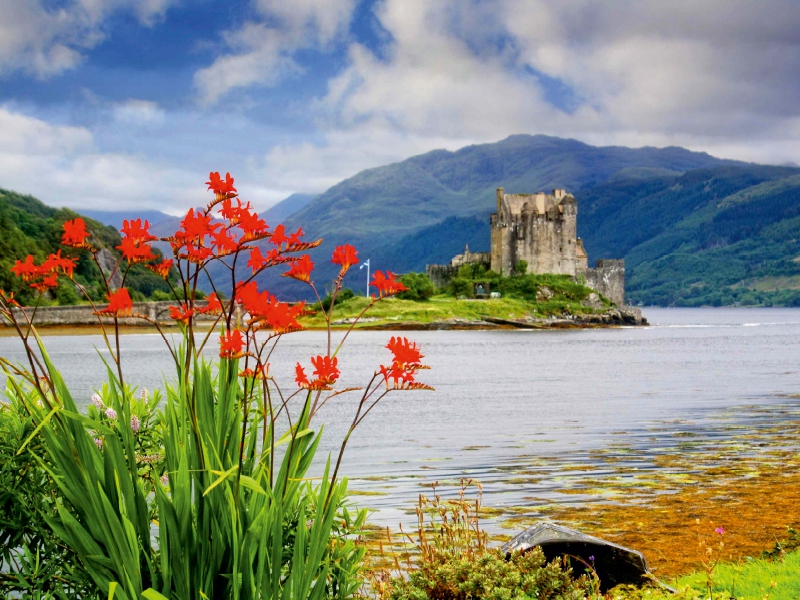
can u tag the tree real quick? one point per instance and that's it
(419, 285)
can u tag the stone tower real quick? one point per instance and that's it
(540, 229)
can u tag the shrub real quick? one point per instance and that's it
(454, 562)
(419, 285)
(343, 296)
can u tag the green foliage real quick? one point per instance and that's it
(419, 285)
(229, 526)
(490, 576)
(37, 563)
(454, 562)
(29, 227)
(566, 292)
(521, 267)
(342, 297)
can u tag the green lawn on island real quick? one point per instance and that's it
(440, 308)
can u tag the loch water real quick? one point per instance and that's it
(505, 400)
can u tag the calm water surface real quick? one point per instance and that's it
(506, 399)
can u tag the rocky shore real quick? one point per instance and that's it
(626, 316)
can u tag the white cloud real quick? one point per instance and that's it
(46, 41)
(259, 53)
(713, 76)
(139, 112)
(62, 166)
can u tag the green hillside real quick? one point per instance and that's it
(27, 226)
(709, 237)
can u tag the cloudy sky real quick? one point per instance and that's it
(120, 104)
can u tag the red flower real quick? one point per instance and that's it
(48, 282)
(405, 352)
(282, 317)
(75, 233)
(195, 226)
(219, 186)
(300, 376)
(56, 263)
(387, 285)
(260, 372)
(136, 231)
(119, 303)
(162, 269)
(301, 269)
(294, 239)
(26, 270)
(326, 368)
(231, 344)
(406, 364)
(198, 254)
(278, 236)
(225, 243)
(134, 251)
(251, 225)
(257, 260)
(345, 256)
(182, 314)
(213, 307)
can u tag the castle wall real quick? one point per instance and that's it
(441, 275)
(608, 279)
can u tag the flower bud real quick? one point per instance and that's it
(111, 413)
(97, 401)
(135, 423)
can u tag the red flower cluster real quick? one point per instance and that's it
(260, 372)
(407, 361)
(163, 268)
(181, 314)
(220, 187)
(345, 256)
(135, 245)
(119, 304)
(326, 371)
(75, 234)
(386, 284)
(301, 269)
(45, 276)
(231, 344)
(213, 307)
(261, 306)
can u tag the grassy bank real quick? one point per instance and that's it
(442, 308)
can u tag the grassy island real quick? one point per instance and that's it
(521, 297)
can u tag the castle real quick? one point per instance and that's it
(540, 229)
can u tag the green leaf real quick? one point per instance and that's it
(38, 427)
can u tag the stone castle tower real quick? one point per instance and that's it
(540, 229)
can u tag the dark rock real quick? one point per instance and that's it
(613, 564)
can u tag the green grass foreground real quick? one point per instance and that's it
(750, 579)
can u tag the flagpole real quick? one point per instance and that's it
(366, 264)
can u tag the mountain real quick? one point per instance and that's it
(284, 209)
(708, 237)
(115, 218)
